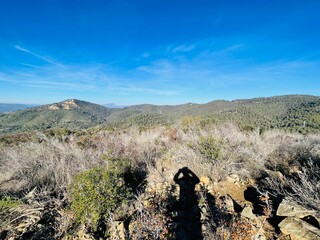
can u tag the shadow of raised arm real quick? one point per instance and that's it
(176, 176)
(194, 177)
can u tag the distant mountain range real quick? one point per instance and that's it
(113, 105)
(11, 107)
(292, 112)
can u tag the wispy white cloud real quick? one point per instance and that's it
(234, 47)
(97, 78)
(287, 66)
(211, 68)
(184, 48)
(203, 66)
(46, 59)
(74, 78)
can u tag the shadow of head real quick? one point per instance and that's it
(186, 176)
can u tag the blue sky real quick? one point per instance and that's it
(159, 52)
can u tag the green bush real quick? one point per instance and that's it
(209, 148)
(98, 192)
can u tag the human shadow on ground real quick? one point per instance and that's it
(188, 211)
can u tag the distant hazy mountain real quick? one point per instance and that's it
(292, 112)
(113, 105)
(11, 107)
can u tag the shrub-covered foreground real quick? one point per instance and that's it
(118, 184)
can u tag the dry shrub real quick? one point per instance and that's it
(172, 134)
(49, 166)
(52, 163)
(217, 151)
(239, 229)
(134, 145)
(306, 186)
(301, 186)
(151, 220)
(295, 169)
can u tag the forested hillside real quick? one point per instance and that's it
(292, 112)
(73, 114)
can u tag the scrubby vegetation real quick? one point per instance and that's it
(117, 181)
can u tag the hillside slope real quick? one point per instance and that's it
(292, 112)
(69, 113)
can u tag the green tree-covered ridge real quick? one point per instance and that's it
(292, 112)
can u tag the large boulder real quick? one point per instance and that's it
(288, 208)
(299, 229)
(247, 213)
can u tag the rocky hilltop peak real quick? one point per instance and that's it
(68, 104)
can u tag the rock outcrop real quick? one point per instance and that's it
(295, 223)
(68, 104)
(299, 229)
(288, 208)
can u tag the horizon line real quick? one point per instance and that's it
(136, 104)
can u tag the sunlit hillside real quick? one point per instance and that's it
(297, 113)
